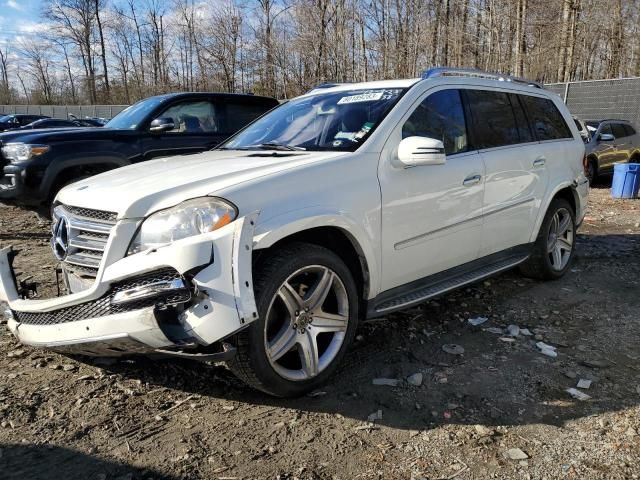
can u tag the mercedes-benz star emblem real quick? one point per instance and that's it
(60, 240)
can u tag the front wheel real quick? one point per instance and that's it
(308, 312)
(555, 245)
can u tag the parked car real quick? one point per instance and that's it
(36, 164)
(351, 201)
(60, 123)
(583, 129)
(92, 121)
(612, 141)
(10, 122)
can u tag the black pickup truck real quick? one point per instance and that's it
(36, 164)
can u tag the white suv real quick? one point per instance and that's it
(351, 201)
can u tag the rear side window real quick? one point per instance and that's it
(440, 116)
(546, 120)
(493, 120)
(629, 129)
(235, 115)
(618, 130)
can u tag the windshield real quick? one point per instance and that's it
(132, 116)
(7, 119)
(327, 121)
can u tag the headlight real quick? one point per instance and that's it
(19, 152)
(193, 217)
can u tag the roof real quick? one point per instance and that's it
(609, 120)
(341, 87)
(166, 96)
(445, 79)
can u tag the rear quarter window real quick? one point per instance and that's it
(545, 119)
(630, 130)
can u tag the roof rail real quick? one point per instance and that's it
(327, 85)
(470, 72)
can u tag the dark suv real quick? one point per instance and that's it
(36, 164)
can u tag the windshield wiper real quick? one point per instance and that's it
(276, 146)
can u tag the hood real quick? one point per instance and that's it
(54, 135)
(138, 190)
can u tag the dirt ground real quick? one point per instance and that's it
(499, 410)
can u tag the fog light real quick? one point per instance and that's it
(150, 290)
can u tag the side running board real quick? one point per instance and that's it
(442, 283)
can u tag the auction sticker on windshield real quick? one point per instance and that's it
(362, 97)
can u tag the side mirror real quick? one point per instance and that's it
(416, 151)
(606, 137)
(162, 124)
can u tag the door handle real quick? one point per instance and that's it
(472, 180)
(539, 162)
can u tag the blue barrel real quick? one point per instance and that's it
(626, 180)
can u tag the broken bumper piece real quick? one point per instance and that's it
(182, 300)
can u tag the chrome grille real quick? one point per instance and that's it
(91, 214)
(89, 232)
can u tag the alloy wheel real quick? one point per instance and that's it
(306, 323)
(560, 239)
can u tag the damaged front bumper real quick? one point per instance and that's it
(175, 300)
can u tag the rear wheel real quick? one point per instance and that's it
(554, 248)
(308, 313)
(592, 170)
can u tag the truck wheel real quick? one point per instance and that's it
(554, 248)
(46, 210)
(308, 313)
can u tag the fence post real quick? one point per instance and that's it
(566, 92)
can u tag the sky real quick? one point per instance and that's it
(19, 18)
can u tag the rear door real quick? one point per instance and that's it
(516, 175)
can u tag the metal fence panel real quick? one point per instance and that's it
(63, 111)
(601, 99)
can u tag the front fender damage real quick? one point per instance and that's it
(225, 303)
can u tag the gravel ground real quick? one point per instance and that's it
(498, 410)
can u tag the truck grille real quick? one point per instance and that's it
(88, 233)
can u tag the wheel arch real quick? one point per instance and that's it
(565, 191)
(338, 239)
(63, 171)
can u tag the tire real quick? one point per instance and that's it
(46, 210)
(557, 234)
(260, 361)
(592, 171)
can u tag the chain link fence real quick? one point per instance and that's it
(602, 99)
(63, 111)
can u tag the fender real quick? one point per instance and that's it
(547, 201)
(58, 165)
(281, 226)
